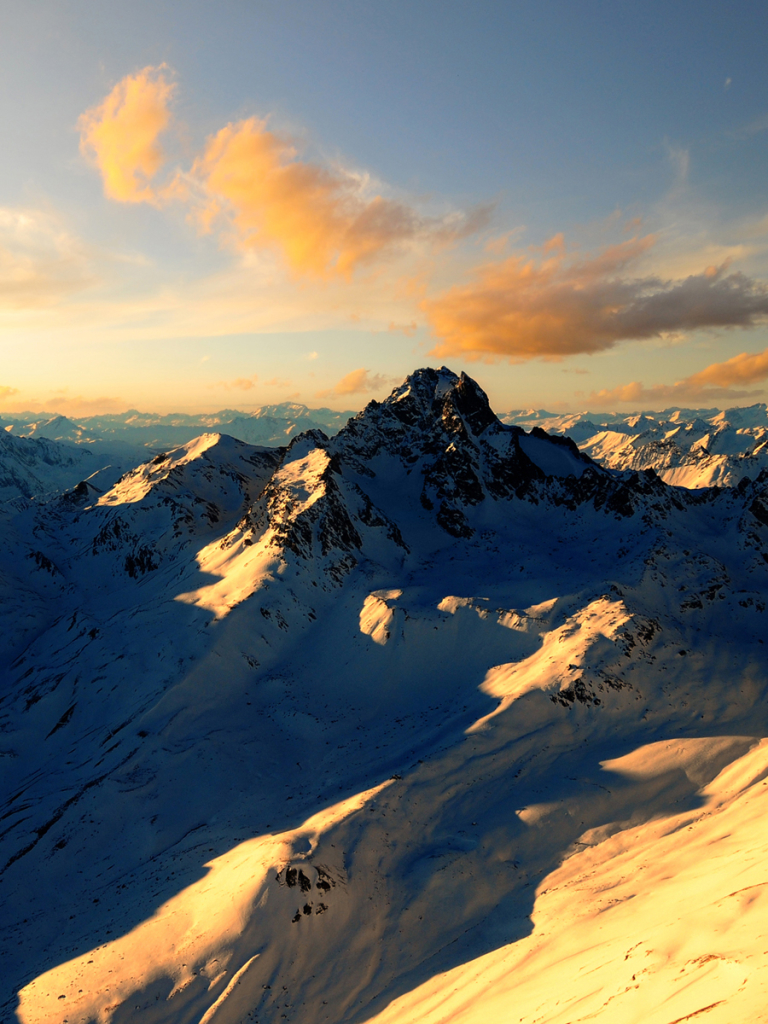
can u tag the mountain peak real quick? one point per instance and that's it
(430, 398)
(427, 384)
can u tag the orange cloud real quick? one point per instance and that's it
(316, 217)
(745, 368)
(7, 392)
(712, 384)
(251, 184)
(519, 309)
(120, 135)
(556, 243)
(357, 382)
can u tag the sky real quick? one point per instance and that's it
(225, 205)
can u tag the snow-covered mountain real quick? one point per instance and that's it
(56, 428)
(686, 447)
(436, 719)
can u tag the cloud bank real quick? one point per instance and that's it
(520, 309)
(253, 189)
(80, 405)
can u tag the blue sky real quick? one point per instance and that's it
(569, 201)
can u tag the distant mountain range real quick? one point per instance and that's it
(686, 447)
(269, 425)
(41, 455)
(434, 719)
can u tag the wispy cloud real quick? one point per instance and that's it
(520, 309)
(358, 382)
(715, 383)
(120, 135)
(746, 368)
(7, 392)
(754, 127)
(284, 216)
(239, 384)
(499, 245)
(680, 158)
(41, 262)
(78, 405)
(407, 329)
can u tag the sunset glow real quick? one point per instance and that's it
(213, 206)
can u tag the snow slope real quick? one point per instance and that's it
(433, 720)
(660, 922)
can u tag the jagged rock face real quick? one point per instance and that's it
(416, 419)
(441, 427)
(303, 507)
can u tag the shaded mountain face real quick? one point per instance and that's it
(289, 732)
